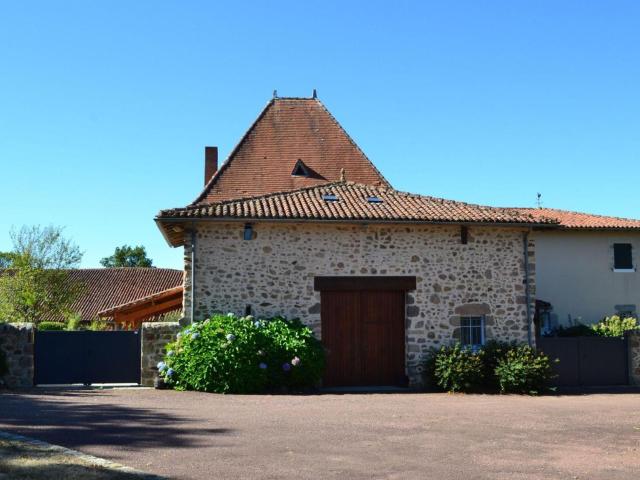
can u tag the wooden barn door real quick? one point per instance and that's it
(363, 332)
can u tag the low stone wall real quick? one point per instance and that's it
(634, 358)
(16, 341)
(155, 335)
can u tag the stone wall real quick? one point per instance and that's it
(16, 341)
(273, 274)
(634, 358)
(155, 335)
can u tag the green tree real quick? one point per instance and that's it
(126, 256)
(36, 283)
(6, 260)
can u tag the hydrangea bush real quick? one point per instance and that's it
(230, 354)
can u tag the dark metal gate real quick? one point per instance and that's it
(588, 361)
(87, 357)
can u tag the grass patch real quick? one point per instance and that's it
(27, 460)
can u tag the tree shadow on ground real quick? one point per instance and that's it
(75, 419)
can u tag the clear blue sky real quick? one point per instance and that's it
(105, 107)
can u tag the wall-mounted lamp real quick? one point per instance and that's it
(248, 232)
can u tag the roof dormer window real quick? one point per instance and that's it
(300, 169)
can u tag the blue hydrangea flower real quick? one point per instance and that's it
(286, 367)
(170, 372)
(194, 335)
(295, 361)
(262, 365)
(162, 366)
(179, 335)
(170, 353)
(257, 324)
(231, 337)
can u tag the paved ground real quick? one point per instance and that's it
(193, 435)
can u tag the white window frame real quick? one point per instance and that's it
(482, 331)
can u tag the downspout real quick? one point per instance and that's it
(193, 276)
(525, 245)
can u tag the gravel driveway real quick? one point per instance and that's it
(195, 435)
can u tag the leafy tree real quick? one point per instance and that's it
(36, 283)
(127, 256)
(6, 260)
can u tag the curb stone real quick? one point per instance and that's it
(101, 462)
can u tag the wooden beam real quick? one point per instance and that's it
(364, 283)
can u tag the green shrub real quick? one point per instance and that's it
(74, 322)
(4, 368)
(227, 354)
(578, 330)
(458, 369)
(498, 366)
(615, 326)
(523, 370)
(98, 325)
(494, 352)
(51, 326)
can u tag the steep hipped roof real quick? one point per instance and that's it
(105, 288)
(289, 130)
(583, 221)
(353, 202)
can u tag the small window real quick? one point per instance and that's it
(374, 200)
(300, 169)
(248, 232)
(622, 258)
(330, 197)
(472, 331)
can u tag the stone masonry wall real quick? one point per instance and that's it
(273, 274)
(16, 341)
(155, 335)
(634, 358)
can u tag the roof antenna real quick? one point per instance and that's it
(275, 94)
(315, 94)
(539, 200)
(342, 176)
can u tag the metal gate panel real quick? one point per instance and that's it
(565, 350)
(87, 357)
(587, 361)
(603, 361)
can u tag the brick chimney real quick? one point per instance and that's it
(210, 162)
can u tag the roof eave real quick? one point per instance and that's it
(162, 225)
(353, 221)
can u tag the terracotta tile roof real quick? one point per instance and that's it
(144, 301)
(351, 205)
(585, 221)
(109, 287)
(288, 130)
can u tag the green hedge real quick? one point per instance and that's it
(229, 354)
(52, 326)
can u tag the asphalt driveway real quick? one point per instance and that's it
(440, 436)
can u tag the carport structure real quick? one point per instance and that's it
(131, 315)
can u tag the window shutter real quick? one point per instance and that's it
(622, 258)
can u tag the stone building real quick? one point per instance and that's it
(299, 222)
